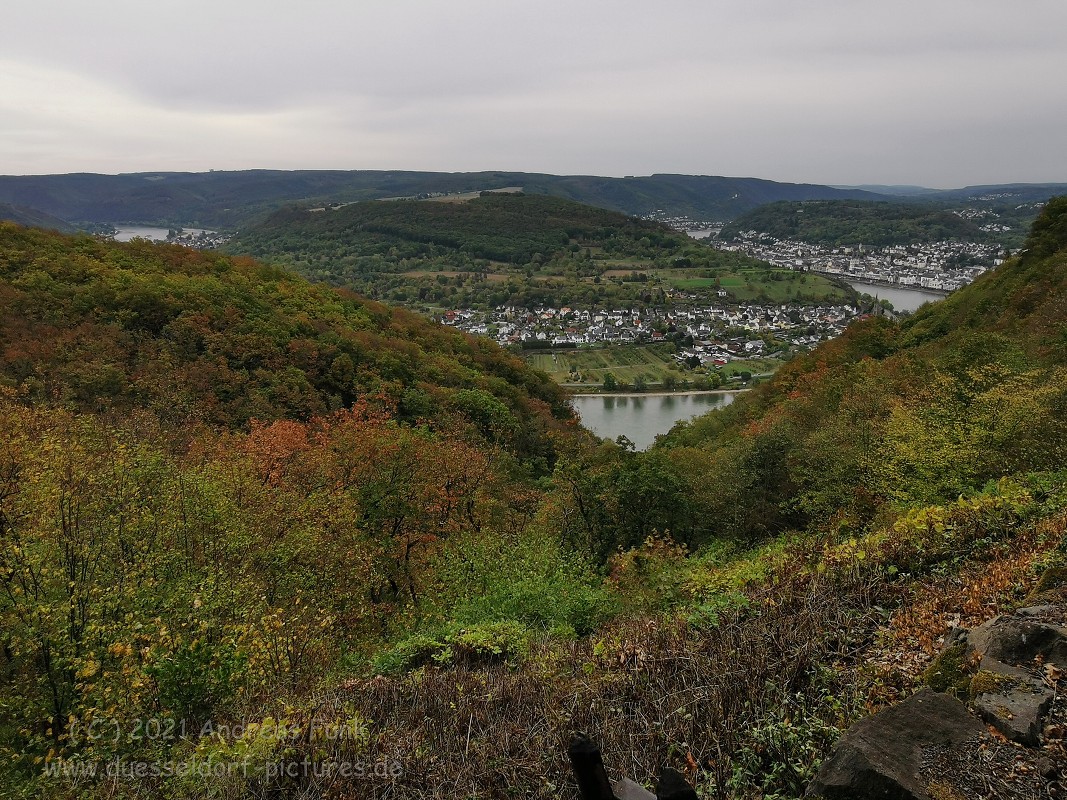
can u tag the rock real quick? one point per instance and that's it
(956, 636)
(1051, 586)
(1018, 641)
(1018, 711)
(626, 789)
(881, 756)
(1038, 611)
(999, 668)
(1006, 650)
(672, 786)
(1047, 768)
(951, 670)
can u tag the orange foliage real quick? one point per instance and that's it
(981, 591)
(273, 447)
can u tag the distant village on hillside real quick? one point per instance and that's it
(713, 335)
(938, 266)
(716, 334)
(942, 266)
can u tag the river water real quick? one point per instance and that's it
(639, 417)
(127, 232)
(902, 299)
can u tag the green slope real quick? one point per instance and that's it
(1026, 299)
(496, 249)
(511, 228)
(968, 390)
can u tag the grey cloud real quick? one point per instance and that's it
(825, 90)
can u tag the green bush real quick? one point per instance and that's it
(530, 579)
(492, 642)
(196, 678)
(780, 754)
(417, 650)
(484, 643)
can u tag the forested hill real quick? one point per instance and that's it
(849, 223)
(390, 534)
(702, 197)
(33, 217)
(201, 337)
(495, 249)
(510, 228)
(1025, 300)
(233, 199)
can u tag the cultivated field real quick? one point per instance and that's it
(629, 362)
(770, 285)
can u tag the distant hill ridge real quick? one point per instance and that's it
(848, 222)
(232, 199)
(515, 249)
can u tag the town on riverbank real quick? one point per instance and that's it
(940, 266)
(710, 337)
(681, 348)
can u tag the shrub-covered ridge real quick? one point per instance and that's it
(725, 603)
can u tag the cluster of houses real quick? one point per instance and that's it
(706, 330)
(941, 266)
(197, 238)
(696, 228)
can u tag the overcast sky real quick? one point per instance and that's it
(940, 93)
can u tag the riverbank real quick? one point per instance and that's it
(851, 280)
(659, 393)
(678, 393)
(642, 417)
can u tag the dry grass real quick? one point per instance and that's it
(929, 610)
(652, 693)
(663, 691)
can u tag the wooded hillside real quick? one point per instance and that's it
(198, 337)
(846, 223)
(497, 249)
(451, 573)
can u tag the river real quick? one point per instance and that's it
(125, 233)
(640, 417)
(902, 299)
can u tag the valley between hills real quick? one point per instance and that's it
(264, 533)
